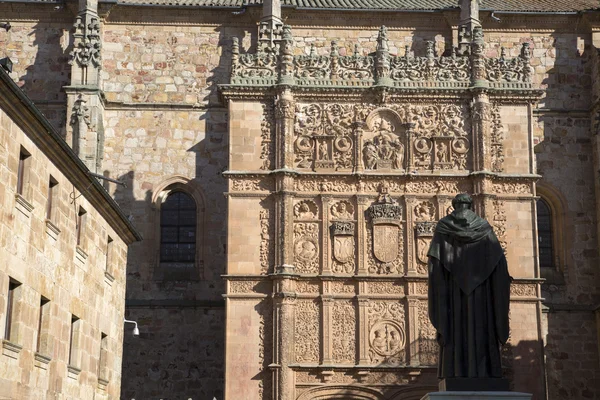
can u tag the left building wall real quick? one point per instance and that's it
(62, 271)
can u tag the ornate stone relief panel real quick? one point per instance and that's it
(398, 138)
(343, 331)
(266, 136)
(306, 237)
(423, 234)
(307, 328)
(387, 333)
(266, 241)
(428, 347)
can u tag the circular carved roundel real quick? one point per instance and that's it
(306, 248)
(387, 338)
(304, 143)
(423, 145)
(343, 143)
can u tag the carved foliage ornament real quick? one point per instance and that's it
(87, 42)
(306, 335)
(329, 67)
(344, 331)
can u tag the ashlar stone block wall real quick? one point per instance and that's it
(86, 280)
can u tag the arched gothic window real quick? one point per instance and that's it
(545, 234)
(178, 230)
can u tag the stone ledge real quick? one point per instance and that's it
(52, 230)
(477, 396)
(80, 255)
(23, 205)
(41, 361)
(11, 349)
(108, 278)
(102, 383)
(73, 372)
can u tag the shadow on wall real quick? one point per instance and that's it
(180, 351)
(49, 72)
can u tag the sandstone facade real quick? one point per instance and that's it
(194, 99)
(64, 250)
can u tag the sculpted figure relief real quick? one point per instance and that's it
(469, 288)
(384, 150)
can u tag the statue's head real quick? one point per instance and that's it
(462, 201)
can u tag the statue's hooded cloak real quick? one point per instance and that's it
(469, 288)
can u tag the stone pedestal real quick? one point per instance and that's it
(477, 396)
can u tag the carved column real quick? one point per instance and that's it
(362, 202)
(363, 330)
(413, 330)
(481, 117)
(285, 111)
(286, 57)
(326, 232)
(85, 108)
(326, 326)
(411, 258)
(284, 319)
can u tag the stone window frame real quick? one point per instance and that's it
(560, 232)
(191, 188)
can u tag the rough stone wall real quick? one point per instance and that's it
(38, 45)
(44, 258)
(572, 356)
(179, 352)
(181, 347)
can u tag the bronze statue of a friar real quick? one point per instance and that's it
(469, 290)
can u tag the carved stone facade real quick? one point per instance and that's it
(321, 147)
(360, 169)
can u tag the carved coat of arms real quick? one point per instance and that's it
(386, 216)
(343, 241)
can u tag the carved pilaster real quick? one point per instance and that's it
(85, 108)
(481, 117)
(363, 331)
(478, 76)
(327, 321)
(413, 331)
(412, 263)
(286, 57)
(326, 202)
(284, 134)
(363, 203)
(284, 351)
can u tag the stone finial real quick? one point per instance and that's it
(382, 39)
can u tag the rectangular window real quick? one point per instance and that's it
(81, 217)
(23, 170)
(43, 327)
(109, 250)
(74, 341)
(9, 326)
(51, 198)
(103, 359)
